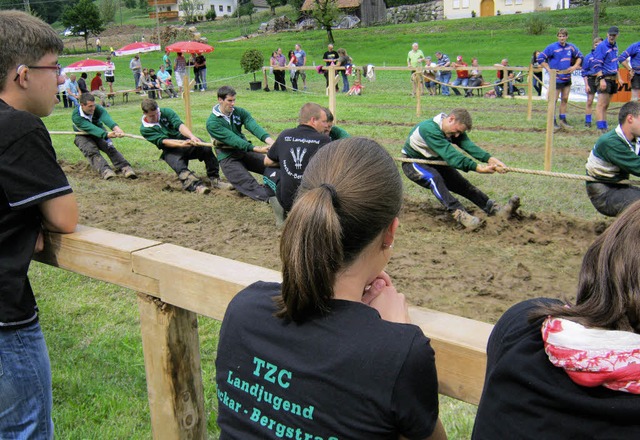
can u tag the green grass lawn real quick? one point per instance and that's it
(92, 328)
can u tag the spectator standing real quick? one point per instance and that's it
(166, 62)
(590, 85)
(614, 157)
(559, 371)
(200, 67)
(109, 76)
(91, 118)
(236, 154)
(462, 75)
(537, 76)
(98, 90)
(630, 59)
(98, 45)
(293, 72)
(415, 58)
(429, 76)
(505, 79)
(62, 91)
(444, 76)
(330, 57)
(436, 139)
(180, 69)
(561, 56)
(82, 83)
(344, 60)
(279, 60)
(301, 61)
(73, 92)
(35, 195)
(136, 68)
(605, 66)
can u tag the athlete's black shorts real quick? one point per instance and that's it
(635, 81)
(612, 86)
(593, 85)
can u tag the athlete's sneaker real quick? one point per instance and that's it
(201, 189)
(467, 220)
(508, 210)
(587, 124)
(602, 131)
(108, 174)
(564, 124)
(129, 173)
(219, 184)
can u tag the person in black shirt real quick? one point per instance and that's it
(329, 353)
(34, 195)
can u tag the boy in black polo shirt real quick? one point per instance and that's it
(34, 195)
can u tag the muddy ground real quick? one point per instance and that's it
(436, 264)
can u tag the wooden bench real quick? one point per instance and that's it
(174, 284)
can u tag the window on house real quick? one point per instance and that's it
(200, 7)
(220, 8)
(228, 8)
(465, 3)
(518, 2)
(456, 4)
(508, 2)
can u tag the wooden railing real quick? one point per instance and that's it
(175, 284)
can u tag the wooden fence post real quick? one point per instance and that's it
(417, 79)
(332, 91)
(530, 92)
(186, 96)
(551, 112)
(172, 363)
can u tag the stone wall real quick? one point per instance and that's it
(430, 11)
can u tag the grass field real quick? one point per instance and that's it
(92, 328)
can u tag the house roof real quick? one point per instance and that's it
(342, 4)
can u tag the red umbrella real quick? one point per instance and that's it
(89, 65)
(138, 47)
(189, 47)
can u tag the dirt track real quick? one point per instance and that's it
(436, 264)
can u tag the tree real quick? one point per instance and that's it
(246, 7)
(190, 9)
(108, 10)
(83, 17)
(273, 4)
(326, 12)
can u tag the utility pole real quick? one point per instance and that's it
(596, 17)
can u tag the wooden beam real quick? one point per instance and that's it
(460, 346)
(172, 365)
(551, 113)
(196, 281)
(99, 254)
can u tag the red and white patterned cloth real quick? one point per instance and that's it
(593, 357)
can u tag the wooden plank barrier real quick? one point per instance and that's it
(176, 284)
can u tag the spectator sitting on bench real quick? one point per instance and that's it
(560, 371)
(98, 90)
(164, 82)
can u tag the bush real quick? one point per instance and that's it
(252, 61)
(210, 15)
(535, 24)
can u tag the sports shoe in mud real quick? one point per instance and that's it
(219, 184)
(108, 174)
(201, 189)
(602, 131)
(129, 173)
(467, 220)
(564, 124)
(587, 124)
(508, 210)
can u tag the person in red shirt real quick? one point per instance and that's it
(463, 75)
(98, 90)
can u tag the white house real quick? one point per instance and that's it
(170, 10)
(486, 8)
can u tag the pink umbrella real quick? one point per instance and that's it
(89, 65)
(189, 47)
(138, 47)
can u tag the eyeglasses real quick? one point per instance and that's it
(57, 68)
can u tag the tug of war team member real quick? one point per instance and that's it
(558, 371)
(333, 130)
(434, 139)
(34, 195)
(561, 56)
(330, 352)
(292, 151)
(589, 78)
(236, 154)
(605, 66)
(92, 118)
(163, 128)
(614, 157)
(630, 59)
